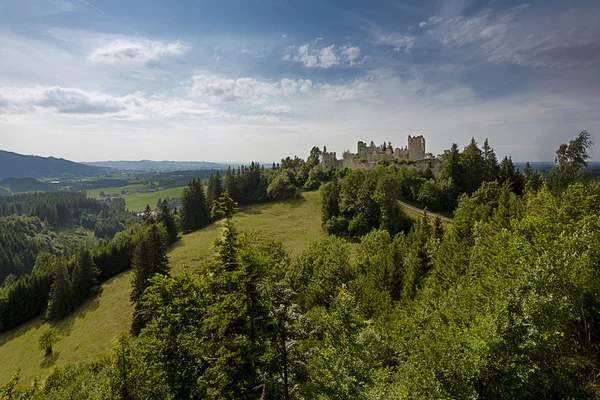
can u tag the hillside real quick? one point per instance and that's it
(159, 166)
(21, 185)
(91, 331)
(28, 166)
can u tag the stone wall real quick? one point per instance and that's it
(367, 156)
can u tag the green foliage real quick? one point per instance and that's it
(361, 201)
(282, 187)
(571, 159)
(149, 259)
(47, 340)
(194, 213)
(60, 300)
(84, 277)
(167, 219)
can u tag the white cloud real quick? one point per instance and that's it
(352, 54)
(138, 52)
(359, 90)
(77, 102)
(541, 38)
(325, 57)
(278, 109)
(244, 90)
(398, 41)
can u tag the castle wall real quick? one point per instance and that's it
(368, 156)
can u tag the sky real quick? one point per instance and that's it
(244, 80)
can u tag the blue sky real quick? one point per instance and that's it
(242, 80)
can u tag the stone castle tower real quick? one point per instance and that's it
(416, 147)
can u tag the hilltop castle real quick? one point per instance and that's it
(368, 156)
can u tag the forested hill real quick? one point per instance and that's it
(22, 166)
(21, 185)
(160, 166)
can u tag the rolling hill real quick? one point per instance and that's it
(21, 185)
(91, 331)
(23, 166)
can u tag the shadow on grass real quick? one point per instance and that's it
(20, 330)
(65, 325)
(49, 360)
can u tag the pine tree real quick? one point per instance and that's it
(149, 259)
(509, 174)
(165, 217)
(492, 169)
(214, 190)
(232, 327)
(451, 168)
(473, 168)
(60, 301)
(148, 217)
(194, 214)
(85, 276)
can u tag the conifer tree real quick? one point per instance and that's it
(232, 326)
(149, 259)
(214, 190)
(148, 217)
(85, 276)
(165, 217)
(492, 169)
(473, 168)
(60, 301)
(194, 214)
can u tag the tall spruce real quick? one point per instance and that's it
(60, 301)
(214, 190)
(194, 214)
(233, 344)
(149, 259)
(165, 217)
(85, 276)
(490, 162)
(473, 168)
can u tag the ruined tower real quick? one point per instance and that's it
(416, 147)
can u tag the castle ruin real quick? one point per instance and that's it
(367, 156)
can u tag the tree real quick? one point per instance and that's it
(194, 213)
(233, 323)
(509, 174)
(281, 186)
(451, 167)
(47, 340)
(149, 259)
(85, 276)
(572, 160)
(165, 217)
(492, 169)
(472, 168)
(148, 216)
(60, 301)
(214, 190)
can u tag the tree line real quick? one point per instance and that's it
(503, 303)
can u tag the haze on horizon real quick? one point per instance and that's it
(242, 80)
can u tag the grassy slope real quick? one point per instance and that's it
(91, 331)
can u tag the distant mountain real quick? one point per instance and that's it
(159, 166)
(22, 166)
(21, 185)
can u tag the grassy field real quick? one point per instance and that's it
(95, 193)
(137, 202)
(91, 331)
